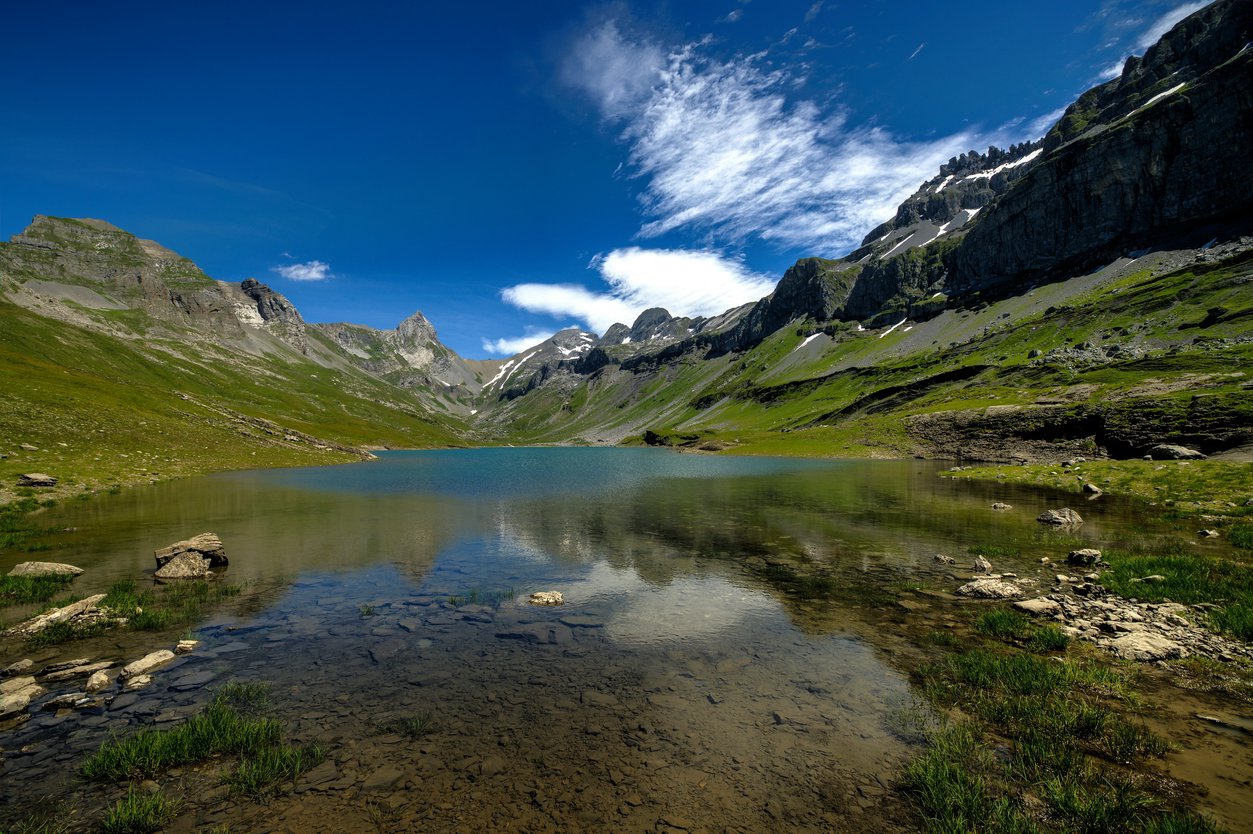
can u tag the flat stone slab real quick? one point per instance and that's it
(38, 624)
(147, 663)
(990, 589)
(1040, 606)
(45, 569)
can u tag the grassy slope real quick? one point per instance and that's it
(104, 410)
(744, 399)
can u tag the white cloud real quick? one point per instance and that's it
(687, 283)
(722, 147)
(309, 271)
(508, 347)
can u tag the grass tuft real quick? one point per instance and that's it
(140, 813)
(266, 772)
(23, 590)
(410, 726)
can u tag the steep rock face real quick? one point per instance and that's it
(275, 313)
(813, 287)
(410, 356)
(1163, 150)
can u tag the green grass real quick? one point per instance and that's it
(480, 596)
(1049, 745)
(409, 726)
(21, 590)
(1010, 625)
(17, 528)
(1241, 535)
(270, 769)
(162, 608)
(1189, 578)
(140, 813)
(219, 730)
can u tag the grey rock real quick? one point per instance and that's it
(1065, 517)
(147, 663)
(982, 565)
(1166, 451)
(57, 615)
(185, 565)
(944, 560)
(45, 569)
(1145, 646)
(990, 589)
(1207, 534)
(13, 685)
(78, 671)
(13, 704)
(1084, 556)
(1001, 506)
(97, 682)
(36, 479)
(206, 545)
(26, 447)
(18, 667)
(546, 598)
(1092, 489)
(1041, 606)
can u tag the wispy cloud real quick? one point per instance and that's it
(731, 16)
(1152, 34)
(724, 146)
(914, 54)
(509, 346)
(308, 271)
(685, 282)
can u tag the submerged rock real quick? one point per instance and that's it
(1001, 505)
(45, 569)
(82, 608)
(546, 598)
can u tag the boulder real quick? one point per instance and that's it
(943, 560)
(1002, 506)
(990, 589)
(80, 669)
(206, 545)
(1092, 489)
(1207, 534)
(186, 565)
(147, 663)
(36, 479)
(1085, 556)
(1146, 646)
(982, 565)
(13, 704)
(44, 569)
(1167, 451)
(546, 598)
(1065, 517)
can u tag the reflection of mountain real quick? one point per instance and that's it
(268, 531)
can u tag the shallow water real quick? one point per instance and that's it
(677, 688)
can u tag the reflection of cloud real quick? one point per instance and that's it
(690, 606)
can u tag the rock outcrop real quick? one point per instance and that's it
(206, 546)
(45, 569)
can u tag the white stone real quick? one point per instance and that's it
(98, 681)
(45, 569)
(546, 598)
(147, 663)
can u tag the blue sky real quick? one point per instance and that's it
(514, 168)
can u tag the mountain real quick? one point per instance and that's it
(1083, 293)
(1087, 293)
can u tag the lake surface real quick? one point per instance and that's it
(683, 685)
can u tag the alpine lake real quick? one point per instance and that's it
(693, 679)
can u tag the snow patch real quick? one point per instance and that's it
(893, 327)
(983, 175)
(1155, 99)
(807, 341)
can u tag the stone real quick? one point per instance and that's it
(147, 663)
(18, 667)
(1085, 556)
(185, 646)
(1001, 505)
(57, 615)
(27, 447)
(1092, 489)
(186, 565)
(1207, 534)
(13, 704)
(383, 779)
(990, 589)
(36, 479)
(77, 671)
(1041, 606)
(45, 569)
(97, 682)
(1146, 646)
(944, 560)
(546, 598)
(1065, 517)
(1167, 451)
(982, 565)
(205, 545)
(138, 682)
(13, 685)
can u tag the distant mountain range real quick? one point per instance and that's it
(1091, 291)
